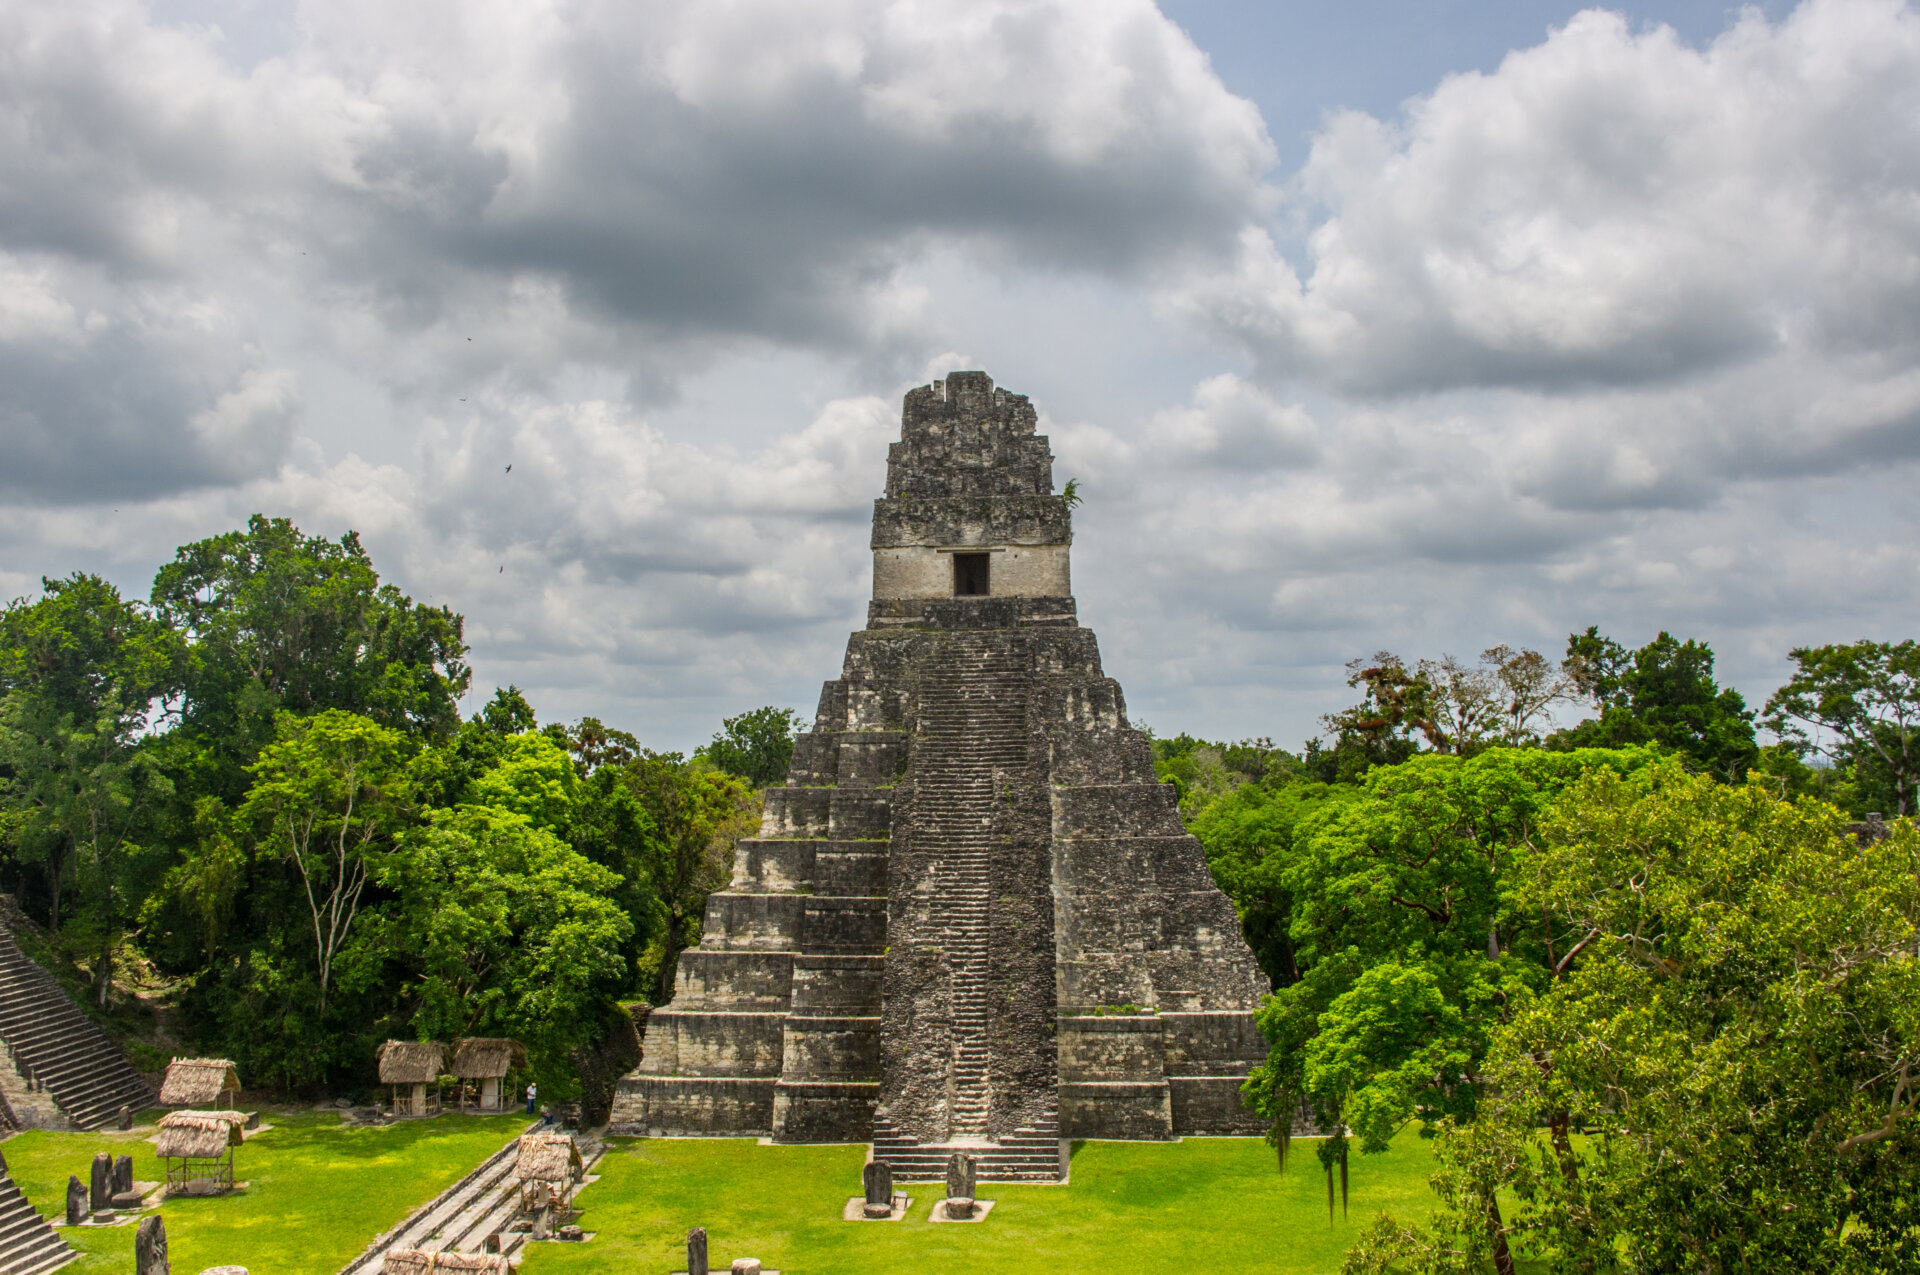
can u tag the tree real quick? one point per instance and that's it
(329, 796)
(756, 746)
(1662, 694)
(1455, 707)
(81, 670)
(1409, 939)
(1862, 701)
(281, 621)
(1739, 1037)
(696, 815)
(511, 932)
(1250, 835)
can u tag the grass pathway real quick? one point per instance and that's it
(318, 1191)
(1202, 1204)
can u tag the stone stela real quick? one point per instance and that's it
(972, 921)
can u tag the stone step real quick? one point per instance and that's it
(47, 1034)
(28, 1244)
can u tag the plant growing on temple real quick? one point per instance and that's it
(1738, 1040)
(1859, 704)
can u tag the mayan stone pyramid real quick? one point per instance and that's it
(972, 919)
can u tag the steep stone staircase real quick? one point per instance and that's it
(460, 1218)
(972, 729)
(51, 1040)
(27, 1244)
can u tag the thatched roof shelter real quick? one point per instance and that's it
(547, 1157)
(487, 1057)
(198, 1082)
(412, 1062)
(198, 1135)
(411, 1261)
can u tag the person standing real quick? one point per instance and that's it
(533, 1097)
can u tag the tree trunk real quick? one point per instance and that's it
(103, 972)
(1497, 1233)
(1563, 1146)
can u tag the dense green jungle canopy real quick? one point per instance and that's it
(1636, 971)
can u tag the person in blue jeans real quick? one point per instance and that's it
(533, 1097)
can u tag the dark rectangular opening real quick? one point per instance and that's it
(970, 575)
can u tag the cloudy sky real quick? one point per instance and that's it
(1416, 324)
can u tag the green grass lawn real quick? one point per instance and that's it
(1202, 1204)
(317, 1190)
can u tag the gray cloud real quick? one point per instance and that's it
(1623, 332)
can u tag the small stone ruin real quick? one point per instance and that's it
(697, 1251)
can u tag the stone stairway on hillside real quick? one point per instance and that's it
(462, 1217)
(972, 731)
(57, 1047)
(28, 1245)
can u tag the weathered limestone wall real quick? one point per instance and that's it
(1017, 571)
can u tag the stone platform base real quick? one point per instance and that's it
(980, 1210)
(856, 1209)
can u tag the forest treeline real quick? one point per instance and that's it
(1647, 979)
(255, 785)
(1638, 974)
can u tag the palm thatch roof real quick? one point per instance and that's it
(196, 1082)
(487, 1057)
(411, 1261)
(547, 1157)
(197, 1135)
(412, 1062)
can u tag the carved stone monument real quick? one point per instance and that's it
(150, 1247)
(697, 1251)
(100, 1186)
(960, 1184)
(124, 1120)
(122, 1173)
(877, 1181)
(76, 1201)
(972, 918)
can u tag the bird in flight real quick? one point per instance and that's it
(509, 469)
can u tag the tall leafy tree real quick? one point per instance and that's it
(696, 815)
(282, 621)
(1662, 694)
(330, 795)
(755, 746)
(510, 931)
(1410, 941)
(1739, 1037)
(83, 671)
(1859, 704)
(1453, 706)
